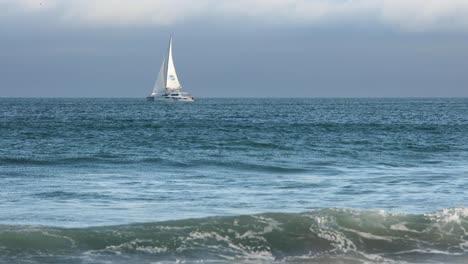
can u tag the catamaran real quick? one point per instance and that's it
(167, 87)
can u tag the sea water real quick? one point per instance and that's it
(234, 181)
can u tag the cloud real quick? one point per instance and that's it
(411, 15)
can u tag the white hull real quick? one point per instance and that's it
(170, 98)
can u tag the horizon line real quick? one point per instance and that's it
(241, 97)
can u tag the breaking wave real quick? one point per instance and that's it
(319, 236)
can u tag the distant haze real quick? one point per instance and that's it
(256, 48)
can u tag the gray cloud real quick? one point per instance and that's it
(407, 15)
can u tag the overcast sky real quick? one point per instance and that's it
(240, 48)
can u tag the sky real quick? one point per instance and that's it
(235, 48)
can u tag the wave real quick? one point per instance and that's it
(24, 161)
(318, 236)
(248, 166)
(111, 160)
(59, 161)
(69, 195)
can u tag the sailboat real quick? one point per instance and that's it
(167, 87)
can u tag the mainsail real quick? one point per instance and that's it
(172, 82)
(167, 77)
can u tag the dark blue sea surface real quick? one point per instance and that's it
(234, 180)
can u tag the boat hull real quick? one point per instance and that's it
(170, 99)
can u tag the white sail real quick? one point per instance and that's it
(172, 81)
(160, 84)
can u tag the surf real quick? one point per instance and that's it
(321, 235)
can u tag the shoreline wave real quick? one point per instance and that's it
(322, 235)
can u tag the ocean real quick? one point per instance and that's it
(323, 180)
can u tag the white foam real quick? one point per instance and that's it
(337, 239)
(451, 215)
(239, 250)
(136, 245)
(271, 224)
(368, 235)
(402, 227)
(429, 251)
(72, 242)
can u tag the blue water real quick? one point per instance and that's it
(77, 170)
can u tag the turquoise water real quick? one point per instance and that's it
(119, 180)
